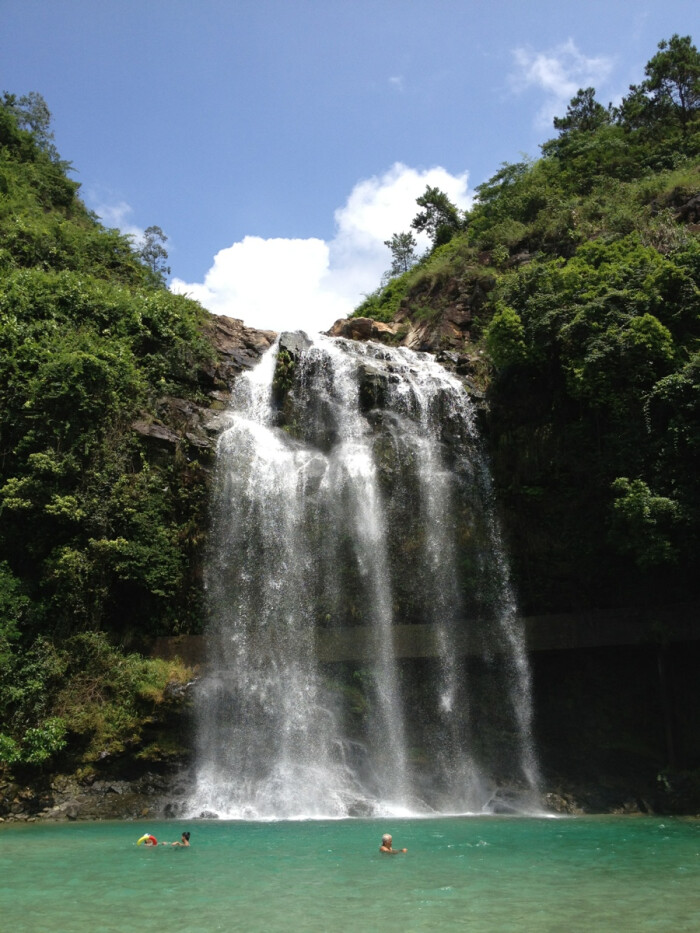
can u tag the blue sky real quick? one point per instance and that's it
(279, 142)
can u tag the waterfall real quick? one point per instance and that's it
(353, 506)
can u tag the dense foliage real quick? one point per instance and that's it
(579, 274)
(98, 539)
(586, 264)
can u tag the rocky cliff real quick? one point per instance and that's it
(181, 421)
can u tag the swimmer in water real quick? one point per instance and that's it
(184, 842)
(386, 848)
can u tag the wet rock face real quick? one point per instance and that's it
(68, 799)
(447, 337)
(294, 343)
(373, 387)
(182, 422)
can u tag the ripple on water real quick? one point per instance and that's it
(482, 874)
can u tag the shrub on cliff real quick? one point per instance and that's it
(590, 323)
(96, 536)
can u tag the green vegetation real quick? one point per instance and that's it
(99, 538)
(580, 272)
(403, 252)
(104, 700)
(440, 218)
(154, 254)
(575, 275)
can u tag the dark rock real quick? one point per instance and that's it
(501, 808)
(95, 798)
(677, 792)
(294, 343)
(175, 690)
(372, 386)
(458, 315)
(689, 212)
(237, 347)
(519, 259)
(312, 475)
(72, 810)
(156, 432)
(197, 440)
(360, 809)
(182, 421)
(561, 803)
(214, 422)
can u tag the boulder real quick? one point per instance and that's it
(237, 347)
(372, 386)
(364, 328)
(689, 212)
(156, 432)
(294, 343)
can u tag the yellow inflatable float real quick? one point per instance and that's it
(148, 839)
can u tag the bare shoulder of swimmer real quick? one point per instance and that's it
(387, 846)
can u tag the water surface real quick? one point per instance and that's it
(478, 874)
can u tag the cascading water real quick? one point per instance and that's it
(352, 498)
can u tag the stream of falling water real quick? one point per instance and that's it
(355, 498)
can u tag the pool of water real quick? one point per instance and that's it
(474, 873)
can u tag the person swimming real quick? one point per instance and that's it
(147, 839)
(185, 841)
(386, 847)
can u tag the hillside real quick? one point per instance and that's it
(567, 297)
(569, 294)
(109, 386)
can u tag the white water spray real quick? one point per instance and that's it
(352, 496)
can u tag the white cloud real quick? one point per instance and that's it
(559, 72)
(116, 215)
(396, 81)
(285, 284)
(274, 284)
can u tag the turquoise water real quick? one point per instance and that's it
(478, 874)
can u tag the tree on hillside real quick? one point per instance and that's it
(592, 141)
(32, 113)
(403, 252)
(440, 218)
(673, 78)
(153, 252)
(583, 113)
(671, 92)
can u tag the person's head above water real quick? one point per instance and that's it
(387, 846)
(186, 836)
